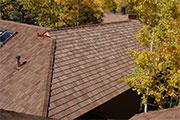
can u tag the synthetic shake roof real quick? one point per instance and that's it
(114, 17)
(166, 114)
(88, 64)
(10, 115)
(24, 89)
(64, 77)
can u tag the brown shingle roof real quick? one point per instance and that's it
(24, 89)
(166, 114)
(111, 17)
(11, 115)
(89, 62)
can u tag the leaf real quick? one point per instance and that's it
(159, 69)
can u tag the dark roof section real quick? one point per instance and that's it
(111, 17)
(89, 62)
(11, 115)
(24, 89)
(166, 114)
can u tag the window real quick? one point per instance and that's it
(5, 35)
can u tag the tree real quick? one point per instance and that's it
(79, 12)
(19, 13)
(108, 5)
(5, 7)
(156, 71)
(120, 4)
(15, 11)
(90, 12)
(59, 13)
(45, 13)
(52, 13)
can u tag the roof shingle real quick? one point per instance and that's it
(11, 115)
(166, 114)
(88, 64)
(111, 17)
(24, 89)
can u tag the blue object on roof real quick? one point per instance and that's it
(18, 57)
(114, 10)
(5, 35)
(123, 10)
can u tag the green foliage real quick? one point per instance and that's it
(108, 5)
(20, 13)
(14, 10)
(54, 13)
(79, 12)
(4, 9)
(120, 4)
(157, 71)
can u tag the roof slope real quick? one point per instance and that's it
(89, 61)
(166, 114)
(111, 17)
(11, 115)
(24, 89)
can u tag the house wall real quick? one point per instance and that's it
(123, 106)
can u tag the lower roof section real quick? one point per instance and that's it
(166, 114)
(88, 64)
(11, 115)
(23, 89)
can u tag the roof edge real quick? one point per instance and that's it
(49, 80)
(25, 24)
(158, 114)
(11, 115)
(89, 25)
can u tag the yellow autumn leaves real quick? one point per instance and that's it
(157, 70)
